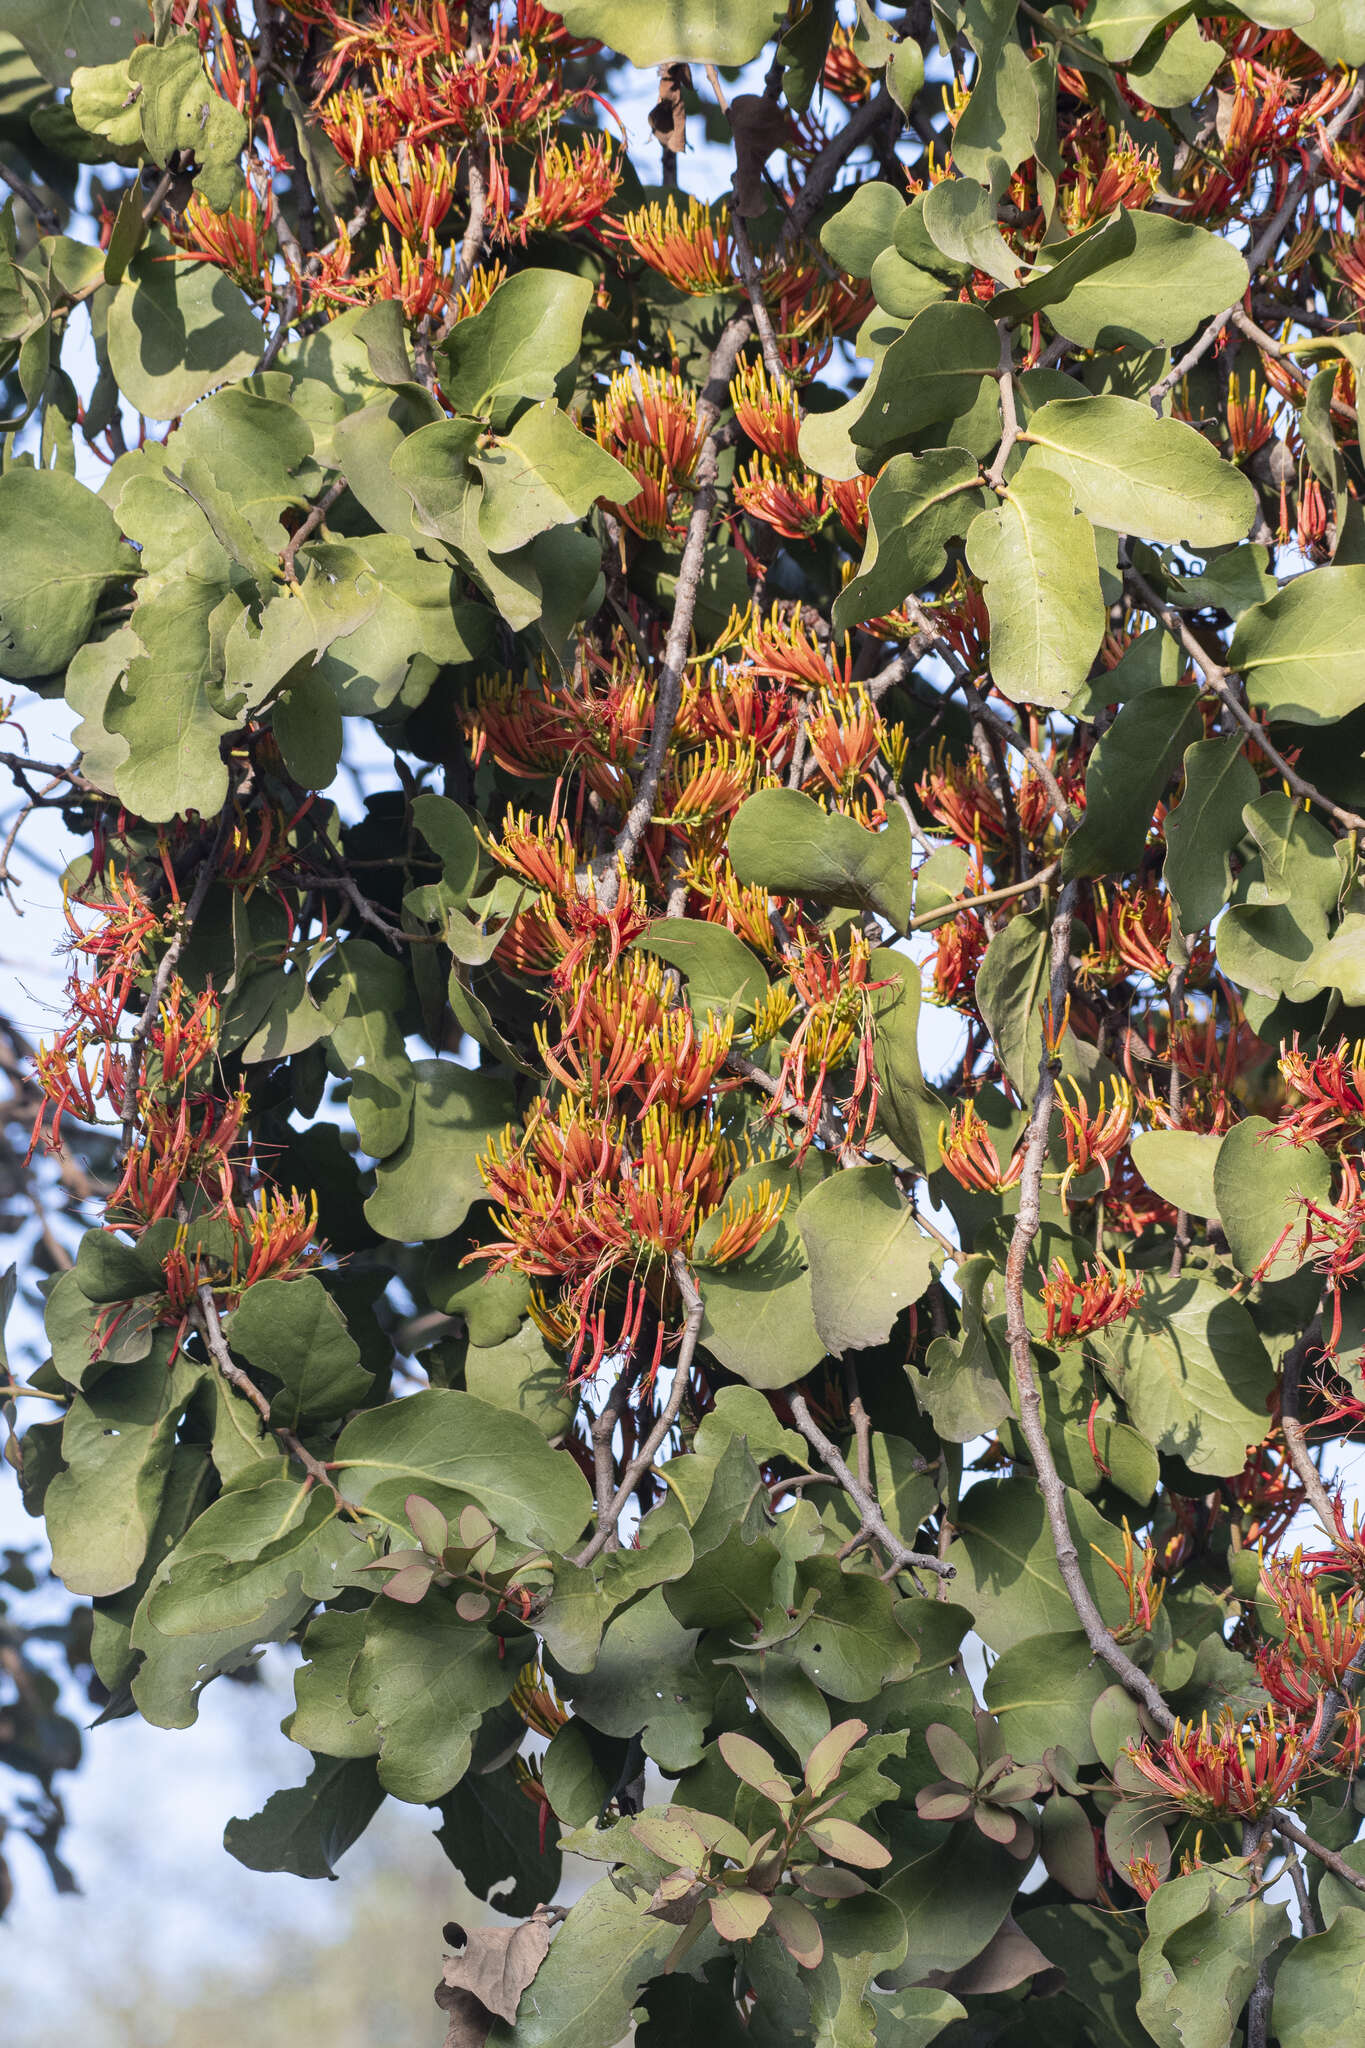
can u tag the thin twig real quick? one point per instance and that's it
(1134, 1681)
(48, 221)
(309, 526)
(1264, 243)
(872, 1522)
(205, 1319)
(995, 475)
(930, 918)
(1291, 1428)
(1290, 1829)
(1219, 680)
(644, 1457)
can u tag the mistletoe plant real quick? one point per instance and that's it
(890, 1521)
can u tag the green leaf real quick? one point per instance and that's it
(293, 1330)
(962, 1391)
(491, 1831)
(1135, 473)
(307, 1828)
(453, 1448)
(361, 991)
(1206, 1941)
(1204, 829)
(1260, 1184)
(1141, 274)
(864, 225)
(783, 840)
(1335, 30)
(868, 1259)
(57, 32)
(1011, 994)
(176, 330)
(323, 1719)
(117, 1444)
(1127, 773)
(1192, 1369)
(587, 1987)
(1181, 68)
(1320, 1986)
(424, 1189)
(852, 1645)
(960, 217)
(521, 1373)
(181, 111)
(932, 372)
(517, 346)
(1042, 1691)
(695, 31)
(918, 504)
(647, 1682)
(998, 127)
(759, 1318)
(427, 1679)
(1303, 651)
(1120, 27)
(1036, 557)
(724, 979)
(164, 708)
(907, 1111)
(245, 1573)
(1179, 1166)
(61, 548)
(544, 473)
(1007, 1566)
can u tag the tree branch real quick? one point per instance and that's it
(1134, 1681)
(872, 1523)
(610, 1512)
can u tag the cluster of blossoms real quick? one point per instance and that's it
(1243, 1766)
(630, 1158)
(138, 1052)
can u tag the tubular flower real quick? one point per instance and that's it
(1324, 1636)
(789, 500)
(735, 705)
(844, 73)
(848, 501)
(1234, 1770)
(1093, 1138)
(837, 999)
(1077, 1306)
(648, 421)
(569, 188)
(971, 1158)
(1332, 1087)
(712, 783)
(692, 249)
(959, 948)
(1137, 1576)
(1249, 422)
(784, 647)
(766, 409)
(846, 734)
(414, 189)
(738, 1228)
(961, 796)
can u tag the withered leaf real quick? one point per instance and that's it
(668, 118)
(758, 128)
(486, 1978)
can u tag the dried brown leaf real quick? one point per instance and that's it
(668, 119)
(486, 1979)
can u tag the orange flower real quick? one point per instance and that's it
(970, 1156)
(1234, 1770)
(1077, 1307)
(692, 249)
